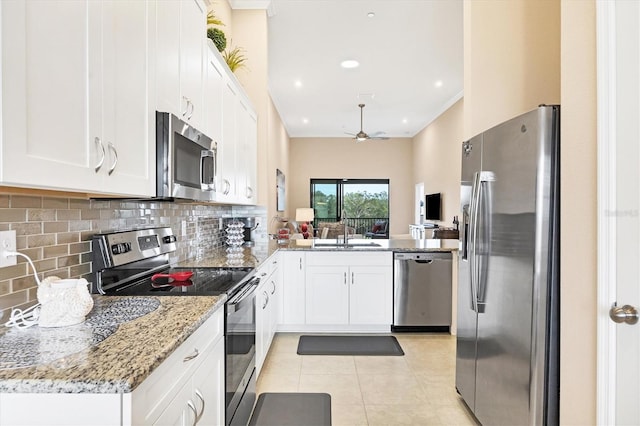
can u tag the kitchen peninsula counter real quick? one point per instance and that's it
(124, 357)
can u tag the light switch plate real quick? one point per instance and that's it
(7, 243)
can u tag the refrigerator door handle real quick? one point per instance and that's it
(473, 234)
(484, 216)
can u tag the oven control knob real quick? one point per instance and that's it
(121, 248)
(169, 239)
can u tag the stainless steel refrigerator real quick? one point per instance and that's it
(507, 351)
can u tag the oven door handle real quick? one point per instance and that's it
(244, 298)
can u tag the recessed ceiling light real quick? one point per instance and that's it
(371, 14)
(350, 63)
(405, 121)
(297, 83)
(305, 120)
(438, 83)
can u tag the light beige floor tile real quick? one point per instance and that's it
(286, 364)
(343, 388)
(391, 389)
(313, 364)
(285, 343)
(278, 383)
(381, 365)
(348, 415)
(454, 415)
(400, 414)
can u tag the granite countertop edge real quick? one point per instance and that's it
(124, 359)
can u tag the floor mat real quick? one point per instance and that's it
(349, 345)
(292, 409)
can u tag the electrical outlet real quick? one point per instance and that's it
(7, 243)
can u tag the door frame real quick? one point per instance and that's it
(606, 187)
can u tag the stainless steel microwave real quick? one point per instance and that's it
(186, 160)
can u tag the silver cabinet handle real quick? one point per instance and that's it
(301, 264)
(192, 106)
(193, 355)
(113, 149)
(100, 145)
(273, 290)
(352, 279)
(227, 187)
(626, 314)
(263, 274)
(249, 192)
(195, 412)
(186, 110)
(266, 300)
(201, 398)
(345, 278)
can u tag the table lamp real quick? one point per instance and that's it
(304, 216)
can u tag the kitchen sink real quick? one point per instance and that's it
(348, 245)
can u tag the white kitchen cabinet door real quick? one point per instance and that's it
(213, 93)
(247, 153)
(193, 34)
(227, 186)
(263, 323)
(126, 97)
(370, 295)
(46, 141)
(327, 295)
(293, 288)
(181, 35)
(82, 123)
(208, 394)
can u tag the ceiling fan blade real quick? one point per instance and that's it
(377, 134)
(347, 133)
(379, 138)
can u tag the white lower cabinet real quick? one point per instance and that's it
(335, 291)
(186, 389)
(267, 308)
(349, 289)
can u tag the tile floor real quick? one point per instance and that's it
(415, 389)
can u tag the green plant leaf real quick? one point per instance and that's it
(212, 19)
(219, 39)
(235, 58)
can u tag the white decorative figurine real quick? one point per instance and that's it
(64, 302)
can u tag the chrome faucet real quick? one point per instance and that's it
(343, 215)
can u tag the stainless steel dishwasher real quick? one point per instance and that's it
(421, 291)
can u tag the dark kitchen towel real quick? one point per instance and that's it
(349, 345)
(292, 409)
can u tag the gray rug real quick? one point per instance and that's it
(349, 345)
(292, 409)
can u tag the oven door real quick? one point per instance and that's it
(240, 360)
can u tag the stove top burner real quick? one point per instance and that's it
(203, 282)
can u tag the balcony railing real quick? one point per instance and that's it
(362, 225)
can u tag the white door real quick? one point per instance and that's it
(618, 210)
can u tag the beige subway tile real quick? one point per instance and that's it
(13, 215)
(4, 200)
(55, 203)
(21, 242)
(13, 271)
(80, 270)
(86, 257)
(18, 201)
(68, 237)
(5, 287)
(86, 235)
(69, 214)
(87, 214)
(61, 273)
(79, 247)
(27, 228)
(79, 203)
(55, 251)
(68, 261)
(13, 299)
(23, 283)
(41, 215)
(41, 240)
(45, 265)
(79, 225)
(33, 253)
(55, 227)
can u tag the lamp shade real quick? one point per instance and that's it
(304, 215)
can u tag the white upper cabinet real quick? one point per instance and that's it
(76, 105)
(247, 153)
(181, 36)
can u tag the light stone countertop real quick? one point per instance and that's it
(115, 358)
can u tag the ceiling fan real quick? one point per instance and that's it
(361, 135)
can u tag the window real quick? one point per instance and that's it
(365, 203)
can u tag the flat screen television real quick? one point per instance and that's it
(432, 206)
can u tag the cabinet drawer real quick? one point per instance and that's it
(340, 258)
(151, 397)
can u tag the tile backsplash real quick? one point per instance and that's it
(56, 234)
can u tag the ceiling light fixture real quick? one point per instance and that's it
(305, 120)
(405, 121)
(297, 83)
(350, 63)
(371, 15)
(438, 83)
